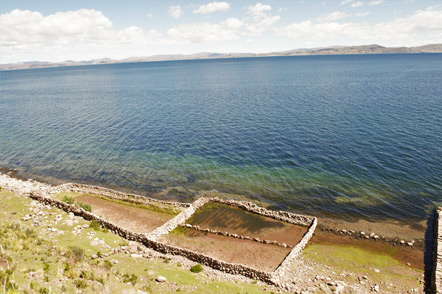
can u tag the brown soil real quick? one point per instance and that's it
(237, 221)
(136, 219)
(401, 253)
(256, 255)
(3, 264)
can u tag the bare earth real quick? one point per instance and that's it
(140, 220)
(256, 255)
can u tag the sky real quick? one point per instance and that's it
(53, 30)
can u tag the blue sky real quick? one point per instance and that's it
(81, 30)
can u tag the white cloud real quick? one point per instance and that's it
(86, 30)
(212, 7)
(332, 16)
(282, 9)
(175, 11)
(376, 2)
(260, 20)
(258, 10)
(421, 26)
(343, 2)
(362, 14)
(206, 32)
(357, 4)
(149, 15)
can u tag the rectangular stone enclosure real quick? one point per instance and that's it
(236, 237)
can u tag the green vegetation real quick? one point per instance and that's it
(197, 268)
(94, 224)
(68, 199)
(39, 260)
(380, 266)
(85, 206)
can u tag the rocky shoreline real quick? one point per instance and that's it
(291, 283)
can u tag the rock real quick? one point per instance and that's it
(376, 270)
(402, 242)
(188, 225)
(94, 256)
(284, 245)
(409, 244)
(95, 242)
(85, 226)
(161, 279)
(135, 255)
(114, 261)
(376, 288)
(339, 288)
(69, 223)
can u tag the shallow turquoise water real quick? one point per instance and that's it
(355, 136)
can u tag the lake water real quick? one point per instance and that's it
(357, 136)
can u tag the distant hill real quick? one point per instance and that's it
(363, 49)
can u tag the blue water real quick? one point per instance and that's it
(357, 136)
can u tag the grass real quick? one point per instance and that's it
(381, 267)
(85, 206)
(197, 268)
(40, 260)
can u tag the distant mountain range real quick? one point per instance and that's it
(364, 49)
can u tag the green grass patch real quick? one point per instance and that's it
(85, 206)
(68, 199)
(197, 268)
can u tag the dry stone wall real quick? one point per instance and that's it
(285, 216)
(158, 246)
(436, 279)
(150, 240)
(116, 195)
(177, 220)
(227, 234)
(285, 265)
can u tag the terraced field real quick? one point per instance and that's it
(134, 218)
(237, 221)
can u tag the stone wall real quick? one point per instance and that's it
(150, 239)
(436, 279)
(177, 220)
(116, 195)
(231, 268)
(285, 216)
(227, 234)
(285, 264)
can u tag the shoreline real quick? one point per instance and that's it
(390, 228)
(324, 239)
(392, 231)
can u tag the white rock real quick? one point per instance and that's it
(161, 279)
(135, 255)
(69, 223)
